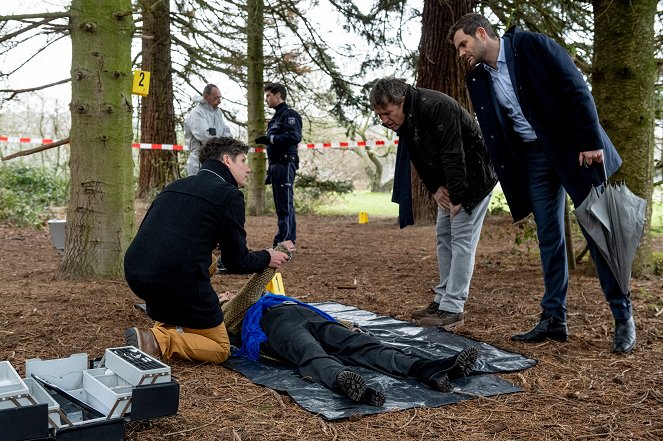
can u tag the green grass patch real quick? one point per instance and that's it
(375, 204)
(27, 194)
(380, 205)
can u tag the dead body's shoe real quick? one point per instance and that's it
(373, 397)
(142, 339)
(438, 374)
(429, 310)
(463, 363)
(351, 384)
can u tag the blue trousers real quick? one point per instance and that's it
(282, 177)
(548, 200)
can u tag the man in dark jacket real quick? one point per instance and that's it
(444, 144)
(542, 130)
(167, 264)
(284, 132)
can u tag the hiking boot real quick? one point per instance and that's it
(351, 384)
(142, 339)
(429, 310)
(463, 363)
(438, 374)
(438, 381)
(373, 397)
(443, 319)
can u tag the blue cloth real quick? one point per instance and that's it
(252, 333)
(402, 191)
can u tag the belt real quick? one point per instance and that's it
(528, 144)
(284, 158)
(273, 307)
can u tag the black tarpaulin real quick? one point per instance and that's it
(399, 393)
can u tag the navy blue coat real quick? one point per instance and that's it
(558, 105)
(167, 262)
(285, 133)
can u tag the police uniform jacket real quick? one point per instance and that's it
(167, 262)
(557, 104)
(285, 133)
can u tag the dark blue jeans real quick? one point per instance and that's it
(548, 199)
(282, 177)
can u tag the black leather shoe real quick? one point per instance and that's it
(624, 339)
(547, 328)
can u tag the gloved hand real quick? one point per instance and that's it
(263, 139)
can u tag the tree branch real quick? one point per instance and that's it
(26, 29)
(32, 89)
(40, 50)
(44, 15)
(41, 148)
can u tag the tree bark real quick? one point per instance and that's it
(100, 213)
(255, 105)
(157, 115)
(439, 69)
(623, 84)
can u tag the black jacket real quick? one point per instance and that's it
(285, 133)
(167, 262)
(446, 147)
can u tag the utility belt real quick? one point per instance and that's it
(284, 159)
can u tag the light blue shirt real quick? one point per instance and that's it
(507, 98)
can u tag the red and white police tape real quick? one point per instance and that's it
(24, 140)
(176, 147)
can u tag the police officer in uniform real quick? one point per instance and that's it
(284, 132)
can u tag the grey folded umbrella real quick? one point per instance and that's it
(615, 218)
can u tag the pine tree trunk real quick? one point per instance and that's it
(255, 104)
(623, 84)
(439, 69)
(157, 123)
(100, 214)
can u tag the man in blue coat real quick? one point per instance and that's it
(542, 131)
(284, 132)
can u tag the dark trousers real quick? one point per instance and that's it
(282, 177)
(548, 199)
(321, 349)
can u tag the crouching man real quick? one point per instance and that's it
(167, 264)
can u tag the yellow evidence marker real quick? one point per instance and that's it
(141, 83)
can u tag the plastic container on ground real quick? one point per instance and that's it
(11, 385)
(57, 229)
(135, 366)
(108, 392)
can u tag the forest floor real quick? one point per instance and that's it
(578, 391)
